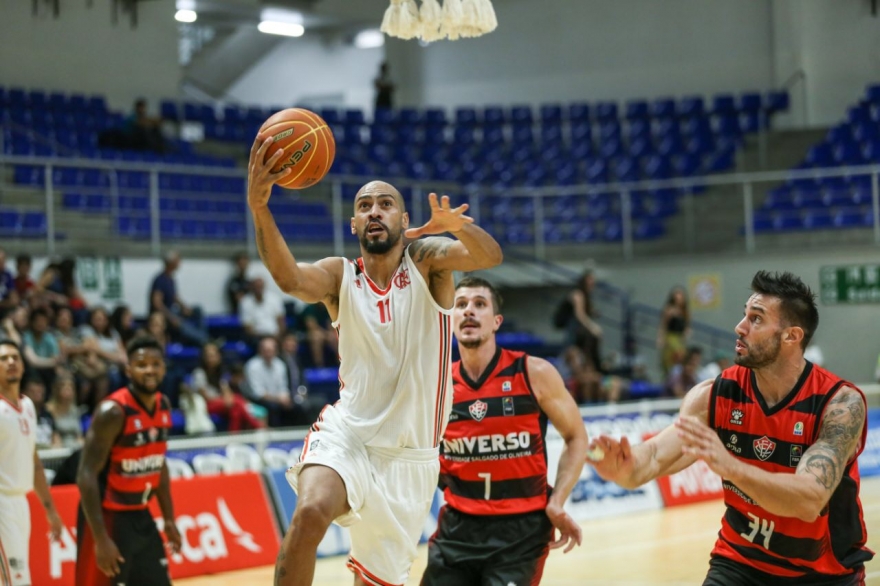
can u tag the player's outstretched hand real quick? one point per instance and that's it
(260, 175)
(703, 442)
(56, 525)
(443, 218)
(173, 536)
(611, 458)
(108, 557)
(569, 530)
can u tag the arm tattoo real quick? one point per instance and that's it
(839, 436)
(426, 248)
(261, 242)
(280, 571)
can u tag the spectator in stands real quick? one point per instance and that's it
(46, 435)
(262, 313)
(41, 350)
(314, 322)
(674, 330)
(16, 323)
(577, 314)
(81, 356)
(64, 411)
(720, 362)
(8, 296)
(142, 131)
(173, 383)
(289, 355)
(683, 377)
(157, 327)
(106, 343)
(211, 381)
(184, 321)
(238, 284)
(268, 383)
(384, 88)
(24, 285)
(122, 321)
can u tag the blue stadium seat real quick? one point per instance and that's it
(33, 224)
(777, 101)
(579, 112)
(663, 108)
(848, 218)
(818, 220)
(494, 116)
(873, 93)
(521, 115)
(409, 116)
(691, 107)
(383, 116)
(637, 110)
(750, 102)
(551, 114)
(435, 117)
(354, 117)
(466, 117)
(606, 111)
(10, 223)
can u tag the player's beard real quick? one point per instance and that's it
(379, 246)
(761, 355)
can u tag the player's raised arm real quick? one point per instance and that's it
(309, 282)
(473, 250)
(103, 431)
(555, 400)
(662, 455)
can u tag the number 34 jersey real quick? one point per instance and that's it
(395, 346)
(775, 439)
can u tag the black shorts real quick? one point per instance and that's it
(137, 538)
(725, 572)
(484, 550)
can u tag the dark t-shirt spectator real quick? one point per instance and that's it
(165, 284)
(237, 286)
(7, 284)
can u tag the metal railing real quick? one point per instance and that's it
(743, 183)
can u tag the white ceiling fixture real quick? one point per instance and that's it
(185, 16)
(371, 38)
(278, 21)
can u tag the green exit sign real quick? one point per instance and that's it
(850, 284)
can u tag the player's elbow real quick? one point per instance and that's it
(809, 510)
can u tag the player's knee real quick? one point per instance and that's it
(311, 519)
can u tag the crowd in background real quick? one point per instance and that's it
(75, 353)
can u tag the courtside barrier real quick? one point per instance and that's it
(226, 523)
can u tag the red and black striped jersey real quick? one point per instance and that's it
(774, 439)
(133, 468)
(492, 457)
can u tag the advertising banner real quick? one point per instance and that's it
(226, 523)
(869, 461)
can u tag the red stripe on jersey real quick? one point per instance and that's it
(774, 439)
(493, 458)
(4, 567)
(11, 404)
(376, 289)
(443, 377)
(134, 466)
(365, 575)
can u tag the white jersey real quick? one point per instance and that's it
(18, 440)
(395, 373)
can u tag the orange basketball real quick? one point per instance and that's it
(307, 142)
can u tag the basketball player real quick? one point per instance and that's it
(498, 522)
(371, 460)
(20, 471)
(784, 435)
(122, 467)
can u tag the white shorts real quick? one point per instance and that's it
(389, 491)
(15, 537)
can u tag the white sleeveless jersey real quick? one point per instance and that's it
(18, 440)
(395, 374)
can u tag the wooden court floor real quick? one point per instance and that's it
(666, 547)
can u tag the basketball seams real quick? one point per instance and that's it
(318, 130)
(296, 143)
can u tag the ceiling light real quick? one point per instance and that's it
(370, 38)
(185, 16)
(287, 29)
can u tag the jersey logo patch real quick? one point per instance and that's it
(478, 410)
(154, 433)
(799, 428)
(796, 453)
(137, 424)
(506, 386)
(401, 279)
(507, 404)
(764, 447)
(736, 417)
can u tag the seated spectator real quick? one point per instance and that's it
(122, 321)
(173, 383)
(316, 325)
(158, 328)
(41, 350)
(142, 131)
(262, 313)
(57, 286)
(46, 435)
(713, 369)
(81, 357)
(8, 296)
(211, 382)
(289, 355)
(101, 339)
(238, 284)
(674, 329)
(683, 377)
(15, 324)
(24, 285)
(267, 380)
(64, 411)
(184, 321)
